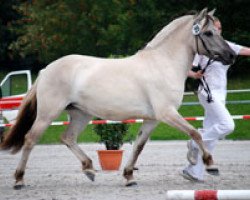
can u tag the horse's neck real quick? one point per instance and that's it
(171, 29)
(175, 41)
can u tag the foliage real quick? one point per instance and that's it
(51, 29)
(7, 16)
(112, 135)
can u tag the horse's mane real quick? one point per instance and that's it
(167, 30)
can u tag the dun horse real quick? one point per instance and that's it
(147, 85)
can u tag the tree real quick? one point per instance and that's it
(51, 29)
(7, 15)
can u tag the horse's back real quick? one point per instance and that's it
(96, 85)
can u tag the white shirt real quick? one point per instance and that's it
(216, 72)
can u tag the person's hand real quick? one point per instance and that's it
(198, 74)
(195, 75)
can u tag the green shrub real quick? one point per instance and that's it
(112, 135)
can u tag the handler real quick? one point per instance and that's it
(212, 95)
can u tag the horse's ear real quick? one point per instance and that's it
(201, 15)
(211, 13)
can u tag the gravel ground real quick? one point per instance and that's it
(54, 173)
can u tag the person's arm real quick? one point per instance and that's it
(245, 51)
(196, 74)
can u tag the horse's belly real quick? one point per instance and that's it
(116, 109)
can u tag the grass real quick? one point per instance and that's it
(163, 131)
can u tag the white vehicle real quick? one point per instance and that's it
(13, 88)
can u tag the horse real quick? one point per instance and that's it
(147, 85)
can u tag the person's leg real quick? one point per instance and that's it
(218, 122)
(208, 122)
(194, 172)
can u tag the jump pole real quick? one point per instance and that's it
(208, 194)
(132, 121)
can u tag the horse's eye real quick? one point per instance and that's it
(208, 33)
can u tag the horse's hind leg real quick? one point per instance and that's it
(142, 138)
(78, 120)
(30, 140)
(173, 118)
(47, 111)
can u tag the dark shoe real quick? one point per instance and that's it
(213, 171)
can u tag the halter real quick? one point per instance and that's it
(196, 32)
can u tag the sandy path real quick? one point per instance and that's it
(54, 173)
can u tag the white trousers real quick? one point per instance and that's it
(217, 124)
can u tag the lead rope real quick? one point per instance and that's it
(204, 84)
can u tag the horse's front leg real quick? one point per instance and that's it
(173, 118)
(142, 138)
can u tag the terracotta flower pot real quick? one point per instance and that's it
(110, 159)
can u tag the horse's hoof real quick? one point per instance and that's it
(90, 174)
(18, 186)
(131, 183)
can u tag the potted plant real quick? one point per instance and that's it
(112, 135)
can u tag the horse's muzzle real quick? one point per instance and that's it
(227, 58)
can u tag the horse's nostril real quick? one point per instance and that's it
(232, 56)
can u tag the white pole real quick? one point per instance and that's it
(234, 194)
(208, 195)
(180, 195)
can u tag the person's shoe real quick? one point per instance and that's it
(213, 171)
(192, 154)
(185, 174)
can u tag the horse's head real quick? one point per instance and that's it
(209, 42)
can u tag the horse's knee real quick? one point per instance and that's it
(66, 140)
(195, 135)
(29, 142)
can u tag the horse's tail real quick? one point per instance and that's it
(15, 137)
